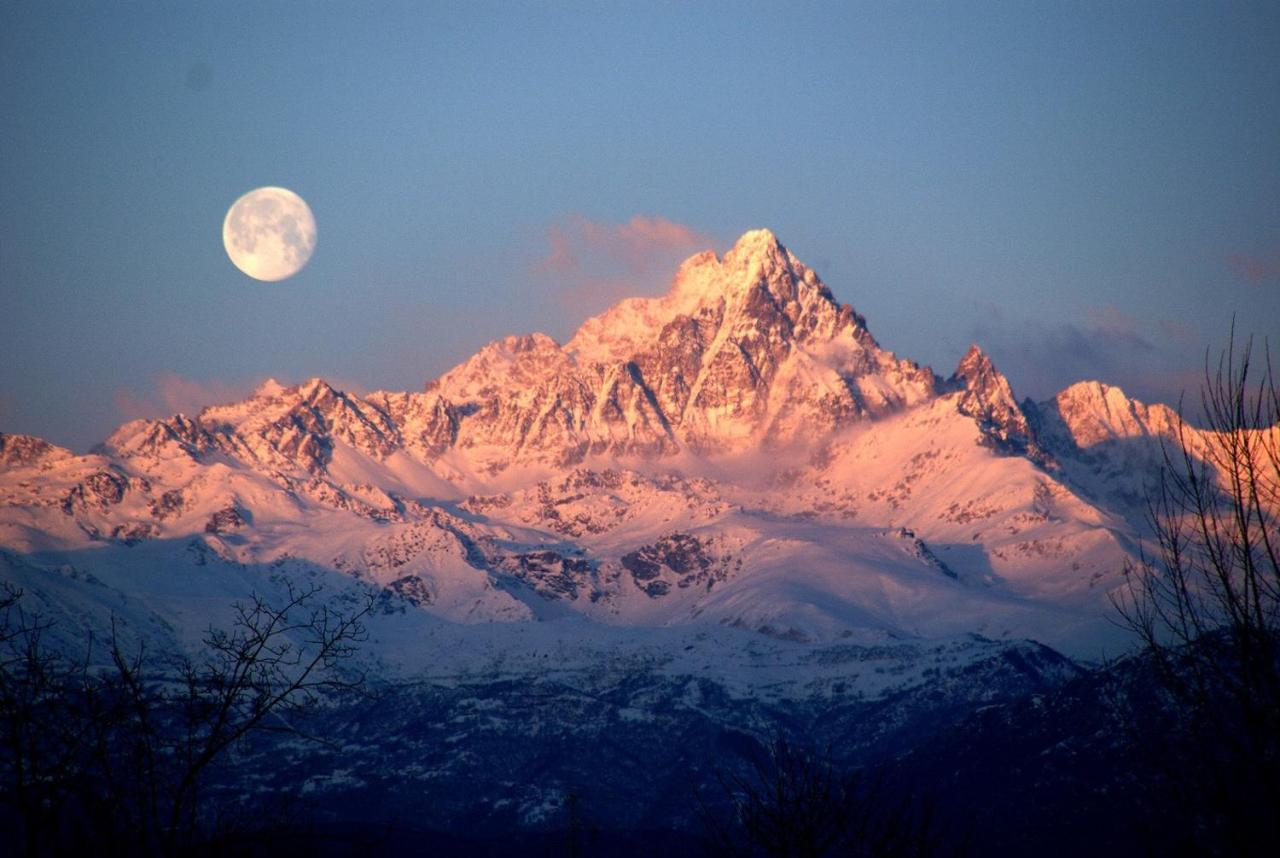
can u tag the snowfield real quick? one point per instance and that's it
(739, 457)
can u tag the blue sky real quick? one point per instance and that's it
(1087, 190)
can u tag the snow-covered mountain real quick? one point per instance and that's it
(740, 452)
(706, 516)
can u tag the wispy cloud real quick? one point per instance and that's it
(171, 393)
(1155, 361)
(636, 246)
(593, 264)
(1109, 320)
(1257, 269)
(1179, 332)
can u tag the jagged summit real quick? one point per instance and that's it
(269, 388)
(737, 451)
(975, 363)
(758, 261)
(1092, 412)
(757, 271)
(18, 450)
(745, 351)
(988, 398)
(759, 240)
(758, 255)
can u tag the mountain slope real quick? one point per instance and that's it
(740, 451)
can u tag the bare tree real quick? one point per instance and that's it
(46, 712)
(121, 751)
(1205, 603)
(794, 803)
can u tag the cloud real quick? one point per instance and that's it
(1156, 361)
(636, 246)
(1178, 331)
(1256, 269)
(1109, 320)
(562, 257)
(593, 264)
(171, 394)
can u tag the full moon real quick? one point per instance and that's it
(269, 233)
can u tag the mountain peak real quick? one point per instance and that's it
(1094, 411)
(1091, 390)
(315, 387)
(268, 389)
(758, 255)
(757, 260)
(703, 284)
(511, 363)
(756, 241)
(22, 450)
(974, 364)
(745, 349)
(988, 399)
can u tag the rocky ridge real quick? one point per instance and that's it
(740, 449)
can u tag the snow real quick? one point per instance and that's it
(736, 467)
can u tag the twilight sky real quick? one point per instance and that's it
(1087, 190)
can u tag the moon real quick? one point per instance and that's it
(269, 233)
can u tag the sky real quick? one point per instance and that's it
(1087, 190)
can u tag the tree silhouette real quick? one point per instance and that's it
(796, 803)
(1205, 603)
(112, 757)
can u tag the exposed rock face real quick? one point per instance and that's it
(744, 350)
(177, 436)
(428, 424)
(538, 480)
(925, 553)
(551, 573)
(307, 430)
(1090, 413)
(133, 532)
(99, 490)
(988, 399)
(24, 450)
(680, 559)
(170, 504)
(584, 502)
(1112, 446)
(225, 520)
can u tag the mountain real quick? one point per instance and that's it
(708, 512)
(738, 451)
